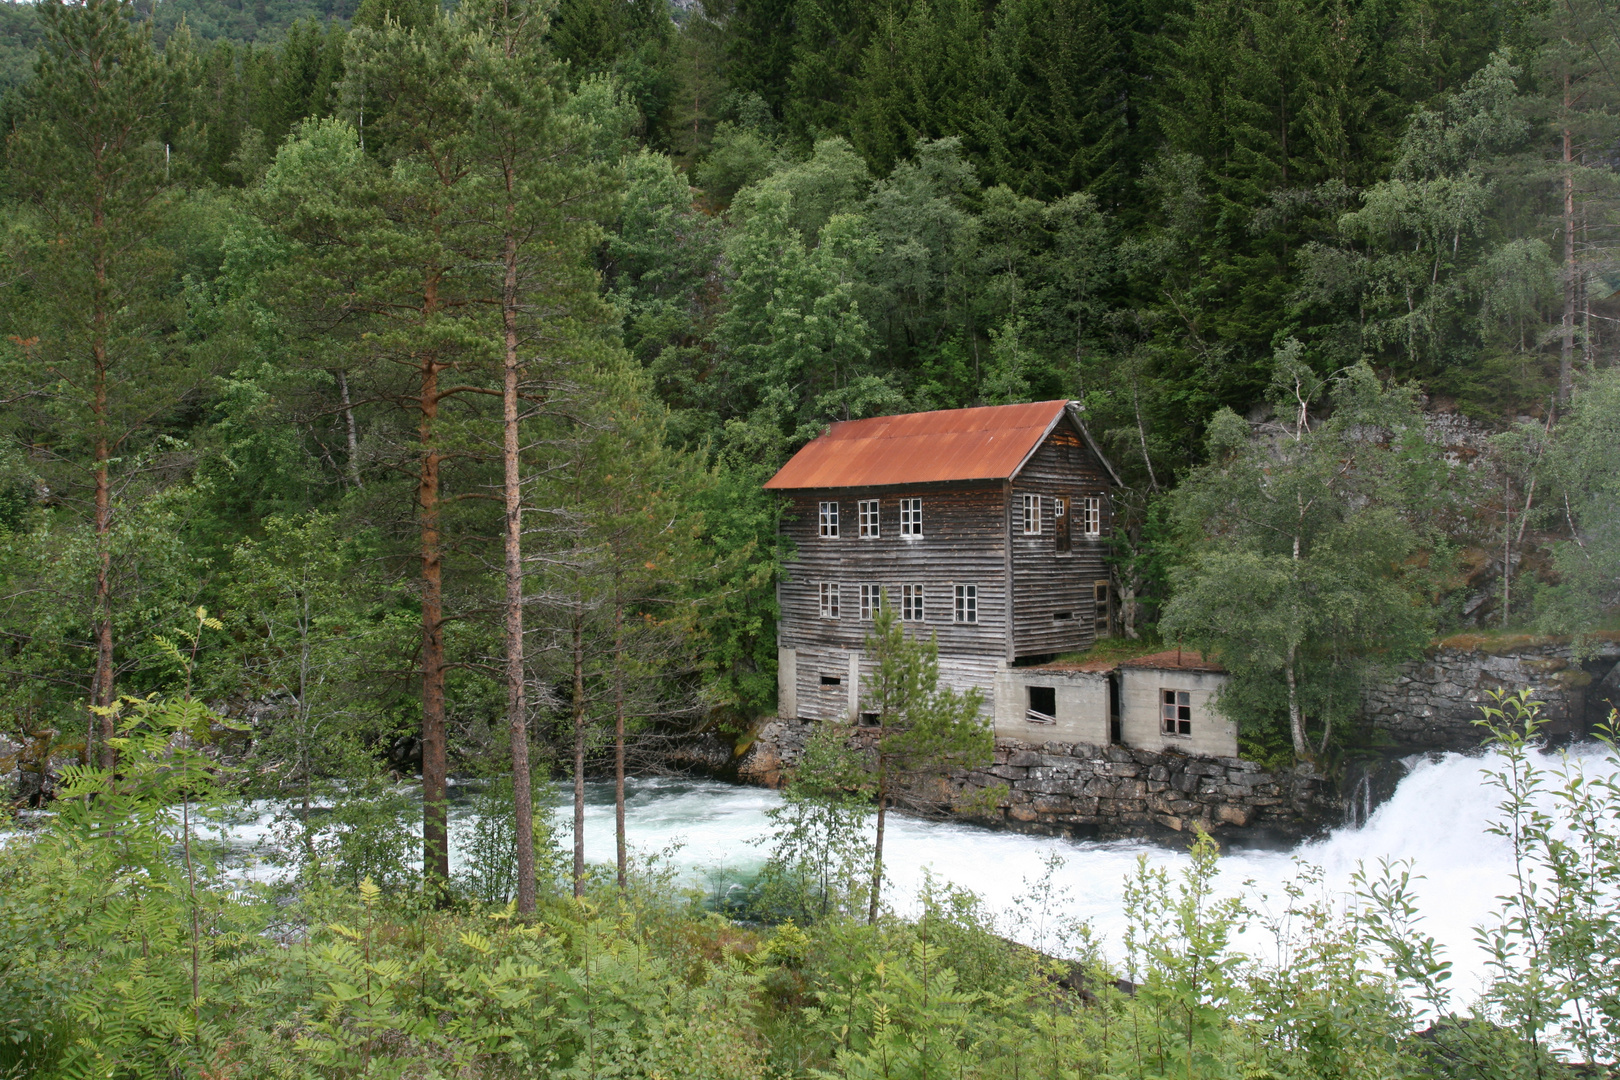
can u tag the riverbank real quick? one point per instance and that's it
(1098, 792)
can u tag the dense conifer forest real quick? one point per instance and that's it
(386, 391)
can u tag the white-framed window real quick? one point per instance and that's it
(871, 600)
(1032, 515)
(829, 599)
(1091, 515)
(910, 517)
(1176, 712)
(829, 520)
(868, 517)
(967, 603)
(911, 603)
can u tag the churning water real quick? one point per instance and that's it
(1437, 819)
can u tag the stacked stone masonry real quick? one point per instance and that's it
(1104, 791)
(1433, 703)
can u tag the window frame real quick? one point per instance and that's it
(827, 596)
(1177, 725)
(1092, 508)
(868, 530)
(966, 603)
(913, 602)
(871, 600)
(827, 518)
(1032, 515)
(911, 517)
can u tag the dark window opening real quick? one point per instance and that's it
(869, 719)
(1115, 735)
(1062, 616)
(831, 680)
(1042, 705)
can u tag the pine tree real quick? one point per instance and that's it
(88, 156)
(545, 193)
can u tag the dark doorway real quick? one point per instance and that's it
(1114, 734)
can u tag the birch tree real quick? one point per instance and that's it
(1303, 576)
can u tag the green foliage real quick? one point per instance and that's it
(1308, 573)
(911, 733)
(1583, 464)
(1553, 952)
(125, 950)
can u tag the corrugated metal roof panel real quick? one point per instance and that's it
(987, 443)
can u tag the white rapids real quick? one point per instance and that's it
(1437, 820)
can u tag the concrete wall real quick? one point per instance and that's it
(1213, 735)
(1081, 699)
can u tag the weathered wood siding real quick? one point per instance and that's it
(812, 699)
(962, 543)
(1047, 581)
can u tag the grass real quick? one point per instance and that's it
(1113, 649)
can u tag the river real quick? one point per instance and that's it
(1437, 819)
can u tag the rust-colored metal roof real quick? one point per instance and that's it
(988, 443)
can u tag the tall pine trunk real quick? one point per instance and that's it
(579, 750)
(517, 719)
(101, 693)
(620, 841)
(435, 758)
(1566, 348)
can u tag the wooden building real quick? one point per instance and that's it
(985, 527)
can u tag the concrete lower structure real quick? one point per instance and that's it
(1164, 702)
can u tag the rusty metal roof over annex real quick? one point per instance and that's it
(987, 443)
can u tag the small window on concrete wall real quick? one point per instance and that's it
(829, 599)
(1176, 712)
(1042, 705)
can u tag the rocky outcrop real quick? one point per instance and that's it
(31, 766)
(1432, 703)
(1073, 789)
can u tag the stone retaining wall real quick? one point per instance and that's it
(1433, 703)
(1076, 789)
